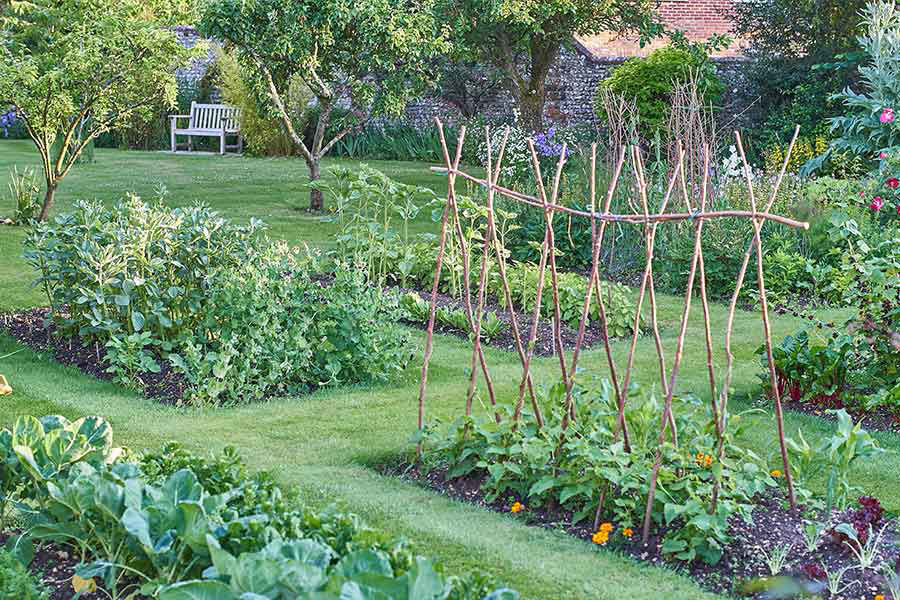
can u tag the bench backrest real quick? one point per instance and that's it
(214, 116)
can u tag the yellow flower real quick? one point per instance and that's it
(776, 473)
(517, 507)
(879, 597)
(600, 538)
(628, 532)
(607, 528)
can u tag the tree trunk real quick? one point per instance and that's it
(531, 106)
(48, 202)
(316, 199)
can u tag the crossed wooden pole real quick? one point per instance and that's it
(548, 200)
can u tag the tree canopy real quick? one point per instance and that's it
(523, 38)
(366, 58)
(74, 69)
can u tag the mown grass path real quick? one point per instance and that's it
(328, 442)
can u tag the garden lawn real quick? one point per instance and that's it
(330, 443)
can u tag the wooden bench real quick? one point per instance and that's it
(209, 120)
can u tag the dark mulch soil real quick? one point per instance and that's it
(773, 526)
(32, 328)
(54, 565)
(505, 340)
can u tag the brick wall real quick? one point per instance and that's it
(699, 19)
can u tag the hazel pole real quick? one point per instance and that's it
(621, 425)
(507, 293)
(442, 245)
(720, 432)
(551, 243)
(482, 279)
(676, 366)
(767, 330)
(729, 355)
(597, 242)
(467, 283)
(536, 312)
(632, 218)
(654, 318)
(650, 238)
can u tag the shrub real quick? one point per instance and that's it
(868, 126)
(263, 133)
(16, 582)
(650, 82)
(270, 328)
(238, 317)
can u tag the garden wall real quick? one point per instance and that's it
(571, 86)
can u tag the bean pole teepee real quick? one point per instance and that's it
(694, 210)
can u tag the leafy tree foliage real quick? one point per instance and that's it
(74, 69)
(510, 34)
(374, 56)
(802, 51)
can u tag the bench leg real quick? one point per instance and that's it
(240, 144)
(222, 144)
(174, 143)
(190, 143)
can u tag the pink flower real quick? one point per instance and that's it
(883, 156)
(893, 183)
(887, 117)
(877, 204)
(898, 211)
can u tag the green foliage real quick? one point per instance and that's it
(374, 54)
(571, 468)
(868, 125)
(24, 195)
(397, 142)
(417, 310)
(36, 452)
(811, 372)
(802, 53)
(74, 70)
(491, 31)
(16, 582)
(274, 329)
(650, 82)
(374, 212)
(239, 318)
(173, 524)
(263, 132)
(833, 459)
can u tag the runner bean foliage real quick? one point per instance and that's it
(573, 468)
(238, 316)
(374, 212)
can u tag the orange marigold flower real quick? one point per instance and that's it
(600, 538)
(708, 461)
(628, 532)
(879, 597)
(776, 473)
(517, 507)
(607, 527)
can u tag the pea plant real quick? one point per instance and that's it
(642, 461)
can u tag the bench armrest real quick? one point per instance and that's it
(173, 118)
